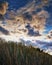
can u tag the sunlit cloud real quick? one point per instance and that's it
(27, 24)
(39, 20)
(17, 21)
(3, 8)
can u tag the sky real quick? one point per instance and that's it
(29, 21)
(15, 4)
(21, 4)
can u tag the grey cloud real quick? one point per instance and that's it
(4, 31)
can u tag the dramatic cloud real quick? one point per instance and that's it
(37, 20)
(18, 20)
(27, 24)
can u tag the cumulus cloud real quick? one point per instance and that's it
(36, 21)
(39, 20)
(24, 16)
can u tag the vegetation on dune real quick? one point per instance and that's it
(18, 54)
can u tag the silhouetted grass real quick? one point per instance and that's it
(17, 54)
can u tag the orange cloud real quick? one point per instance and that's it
(3, 8)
